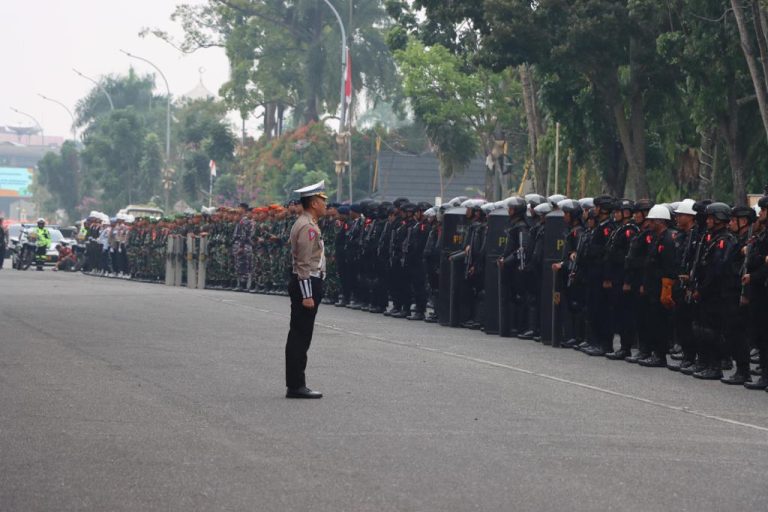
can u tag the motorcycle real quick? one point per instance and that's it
(23, 253)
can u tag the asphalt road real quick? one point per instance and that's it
(117, 395)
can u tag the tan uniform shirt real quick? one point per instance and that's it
(307, 252)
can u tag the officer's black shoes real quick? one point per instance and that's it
(693, 368)
(619, 354)
(654, 361)
(304, 392)
(570, 343)
(584, 345)
(401, 313)
(416, 315)
(637, 357)
(678, 367)
(391, 311)
(376, 310)
(709, 374)
(354, 305)
(739, 378)
(761, 383)
(431, 319)
(527, 335)
(594, 351)
(39, 269)
(341, 304)
(537, 338)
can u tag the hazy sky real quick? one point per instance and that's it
(42, 40)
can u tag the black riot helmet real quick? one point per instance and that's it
(605, 203)
(643, 205)
(744, 212)
(720, 211)
(571, 207)
(423, 206)
(516, 206)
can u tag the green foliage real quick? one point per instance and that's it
(150, 167)
(58, 173)
(285, 55)
(204, 135)
(113, 152)
(306, 155)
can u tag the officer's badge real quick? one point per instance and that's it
(312, 234)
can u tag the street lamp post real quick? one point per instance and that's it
(74, 133)
(99, 86)
(39, 126)
(341, 162)
(168, 109)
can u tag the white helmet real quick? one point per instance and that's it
(41, 220)
(659, 212)
(686, 207)
(543, 209)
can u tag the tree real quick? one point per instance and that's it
(113, 153)
(151, 167)
(58, 173)
(204, 135)
(464, 109)
(285, 55)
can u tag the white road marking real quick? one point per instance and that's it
(516, 369)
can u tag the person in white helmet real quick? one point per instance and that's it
(661, 270)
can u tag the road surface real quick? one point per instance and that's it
(126, 396)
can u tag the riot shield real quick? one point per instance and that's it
(169, 261)
(453, 240)
(495, 298)
(191, 270)
(554, 240)
(202, 261)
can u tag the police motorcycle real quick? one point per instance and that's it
(23, 251)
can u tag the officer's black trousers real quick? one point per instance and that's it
(644, 319)
(626, 316)
(758, 332)
(417, 284)
(660, 328)
(737, 336)
(599, 319)
(684, 331)
(300, 333)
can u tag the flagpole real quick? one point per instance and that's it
(212, 173)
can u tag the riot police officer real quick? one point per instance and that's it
(512, 262)
(714, 290)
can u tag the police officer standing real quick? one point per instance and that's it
(305, 288)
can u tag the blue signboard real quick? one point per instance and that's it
(15, 181)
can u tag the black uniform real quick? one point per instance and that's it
(717, 290)
(623, 303)
(513, 257)
(597, 298)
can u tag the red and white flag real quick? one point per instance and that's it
(212, 165)
(348, 80)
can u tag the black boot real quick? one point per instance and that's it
(761, 383)
(637, 357)
(711, 373)
(620, 354)
(740, 377)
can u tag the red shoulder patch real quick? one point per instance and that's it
(312, 233)
(721, 245)
(606, 231)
